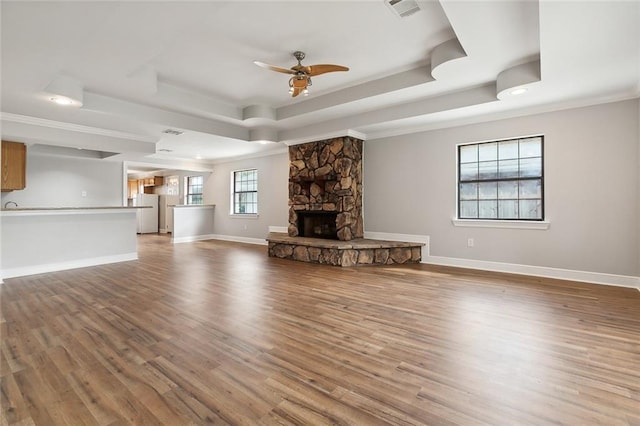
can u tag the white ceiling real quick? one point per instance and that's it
(145, 67)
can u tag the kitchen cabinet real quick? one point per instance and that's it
(152, 181)
(133, 189)
(14, 166)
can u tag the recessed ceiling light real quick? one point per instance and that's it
(198, 157)
(65, 90)
(61, 100)
(519, 91)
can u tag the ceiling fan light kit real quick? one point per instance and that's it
(302, 74)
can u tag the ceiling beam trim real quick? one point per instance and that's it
(106, 104)
(381, 86)
(474, 96)
(65, 137)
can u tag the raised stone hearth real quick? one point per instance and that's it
(356, 252)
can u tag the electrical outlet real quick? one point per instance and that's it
(470, 242)
(83, 193)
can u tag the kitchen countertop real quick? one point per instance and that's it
(72, 208)
(191, 205)
(49, 211)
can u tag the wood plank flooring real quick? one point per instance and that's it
(217, 332)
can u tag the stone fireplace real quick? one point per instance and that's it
(325, 210)
(325, 189)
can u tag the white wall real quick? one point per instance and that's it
(273, 190)
(57, 181)
(591, 190)
(192, 223)
(638, 193)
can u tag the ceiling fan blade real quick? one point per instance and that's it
(274, 68)
(314, 70)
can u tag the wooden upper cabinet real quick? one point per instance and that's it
(133, 188)
(152, 181)
(14, 166)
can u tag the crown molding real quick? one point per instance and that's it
(322, 136)
(78, 128)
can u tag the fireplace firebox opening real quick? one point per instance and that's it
(317, 225)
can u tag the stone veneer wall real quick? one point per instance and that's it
(326, 176)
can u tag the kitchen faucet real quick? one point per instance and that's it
(10, 202)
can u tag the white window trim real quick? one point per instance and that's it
(540, 225)
(243, 215)
(495, 223)
(233, 215)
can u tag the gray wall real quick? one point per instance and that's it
(273, 177)
(591, 190)
(57, 181)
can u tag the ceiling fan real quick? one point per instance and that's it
(302, 74)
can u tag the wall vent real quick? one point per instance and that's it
(403, 8)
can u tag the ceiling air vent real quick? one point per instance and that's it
(403, 8)
(172, 132)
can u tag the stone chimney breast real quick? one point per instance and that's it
(326, 177)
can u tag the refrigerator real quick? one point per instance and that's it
(147, 218)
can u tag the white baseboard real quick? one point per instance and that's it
(237, 239)
(280, 229)
(192, 238)
(511, 268)
(232, 238)
(62, 266)
(538, 271)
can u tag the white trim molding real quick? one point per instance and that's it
(504, 224)
(232, 238)
(252, 216)
(236, 239)
(62, 266)
(43, 122)
(192, 238)
(537, 271)
(280, 229)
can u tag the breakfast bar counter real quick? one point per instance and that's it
(45, 239)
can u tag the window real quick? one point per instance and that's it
(501, 180)
(194, 189)
(245, 192)
(173, 185)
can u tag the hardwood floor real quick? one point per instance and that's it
(217, 332)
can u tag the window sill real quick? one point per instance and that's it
(244, 216)
(504, 224)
